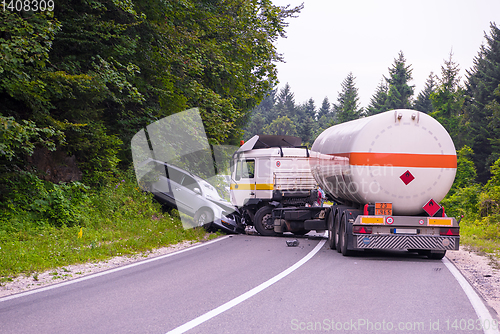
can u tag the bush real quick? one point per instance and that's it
(44, 202)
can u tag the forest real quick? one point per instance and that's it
(79, 80)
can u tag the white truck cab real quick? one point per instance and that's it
(269, 172)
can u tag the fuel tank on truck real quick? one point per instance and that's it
(403, 157)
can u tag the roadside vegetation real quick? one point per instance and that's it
(478, 204)
(53, 225)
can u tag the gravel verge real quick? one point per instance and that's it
(58, 275)
(482, 271)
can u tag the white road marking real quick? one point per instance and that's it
(110, 271)
(482, 312)
(224, 307)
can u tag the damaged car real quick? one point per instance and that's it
(177, 188)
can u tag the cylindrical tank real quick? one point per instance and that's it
(403, 157)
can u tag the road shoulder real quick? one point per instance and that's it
(482, 272)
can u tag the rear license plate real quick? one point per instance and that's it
(405, 231)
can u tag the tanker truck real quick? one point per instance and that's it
(385, 175)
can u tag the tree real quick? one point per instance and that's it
(101, 70)
(285, 104)
(482, 83)
(379, 99)
(448, 100)
(423, 102)
(400, 92)
(325, 108)
(281, 126)
(306, 130)
(255, 126)
(310, 108)
(347, 108)
(466, 171)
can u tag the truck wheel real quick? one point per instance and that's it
(336, 232)
(436, 256)
(343, 236)
(331, 232)
(263, 221)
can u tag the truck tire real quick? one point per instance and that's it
(332, 243)
(336, 231)
(437, 255)
(343, 237)
(263, 221)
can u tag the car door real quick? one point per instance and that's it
(160, 184)
(179, 192)
(191, 195)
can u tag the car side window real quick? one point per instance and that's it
(175, 175)
(245, 169)
(190, 183)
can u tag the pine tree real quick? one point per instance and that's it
(285, 103)
(423, 102)
(400, 92)
(348, 108)
(325, 108)
(307, 127)
(379, 99)
(310, 108)
(255, 126)
(448, 100)
(267, 107)
(483, 80)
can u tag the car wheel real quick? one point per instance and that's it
(263, 221)
(204, 217)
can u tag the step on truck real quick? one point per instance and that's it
(385, 175)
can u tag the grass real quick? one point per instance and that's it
(482, 235)
(118, 220)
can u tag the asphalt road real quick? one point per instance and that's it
(252, 284)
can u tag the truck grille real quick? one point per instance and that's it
(294, 181)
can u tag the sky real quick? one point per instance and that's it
(331, 38)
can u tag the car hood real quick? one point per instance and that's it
(226, 206)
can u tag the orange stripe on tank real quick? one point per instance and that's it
(400, 159)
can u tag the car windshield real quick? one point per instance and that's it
(210, 191)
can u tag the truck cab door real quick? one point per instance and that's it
(243, 181)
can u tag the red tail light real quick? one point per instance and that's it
(362, 229)
(449, 231)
